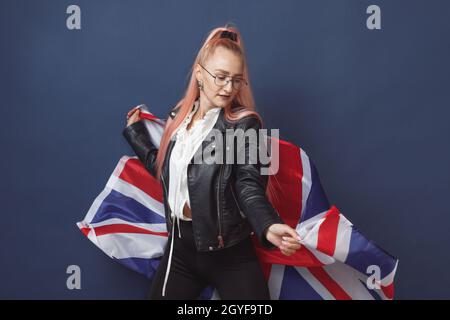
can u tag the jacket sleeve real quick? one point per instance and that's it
(138, 137)
(251, 187)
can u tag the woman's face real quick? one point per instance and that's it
(223, 62)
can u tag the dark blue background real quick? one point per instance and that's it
(371, 107)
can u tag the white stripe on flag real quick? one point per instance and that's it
(215, 295)
(390, 277)
(96, 204)
(344, 234)
(155, 227)
(309, 233)
(275, 280)
(306, 179)
(349, 280)
(137, 194)
(105, 192)
(314, 283)
(308, 229)
(132, 245)
(155, 131)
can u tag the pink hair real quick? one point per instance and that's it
(244, 97)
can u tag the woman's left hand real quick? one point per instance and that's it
(284, 237)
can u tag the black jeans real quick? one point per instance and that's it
(235, 271)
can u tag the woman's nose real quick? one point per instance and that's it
(228, 87)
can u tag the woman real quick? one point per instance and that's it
(217, 206)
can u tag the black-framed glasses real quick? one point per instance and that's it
(222, 80)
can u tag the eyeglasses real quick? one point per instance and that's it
(221, 80)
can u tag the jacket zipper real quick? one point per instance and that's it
(167, 194)
(219, 237)
(237, 203)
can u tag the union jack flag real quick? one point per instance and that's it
(127, 222)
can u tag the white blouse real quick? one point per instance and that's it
(187, 143)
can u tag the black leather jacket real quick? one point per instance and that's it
(227, 201)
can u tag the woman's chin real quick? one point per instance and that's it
(222, 102)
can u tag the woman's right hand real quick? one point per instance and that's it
(284, 237)
(133, 116)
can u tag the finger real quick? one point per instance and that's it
(136, 112)
(287, 248)
(289, 245)
(132, 119)
(290, 240)
(135, 116)
(293, 233)
(132, 111)
(287, 252)
(293, 245)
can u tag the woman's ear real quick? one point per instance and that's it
(198, 73)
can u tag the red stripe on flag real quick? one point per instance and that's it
(326, 241)
(85, 231)
(288, 183)
(332, 286)
(149, 116)
(301, 258)
(388, 291)
(122, 228)
(136, 174)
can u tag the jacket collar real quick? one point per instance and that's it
(222, 124)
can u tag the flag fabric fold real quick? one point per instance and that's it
(336, 261)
